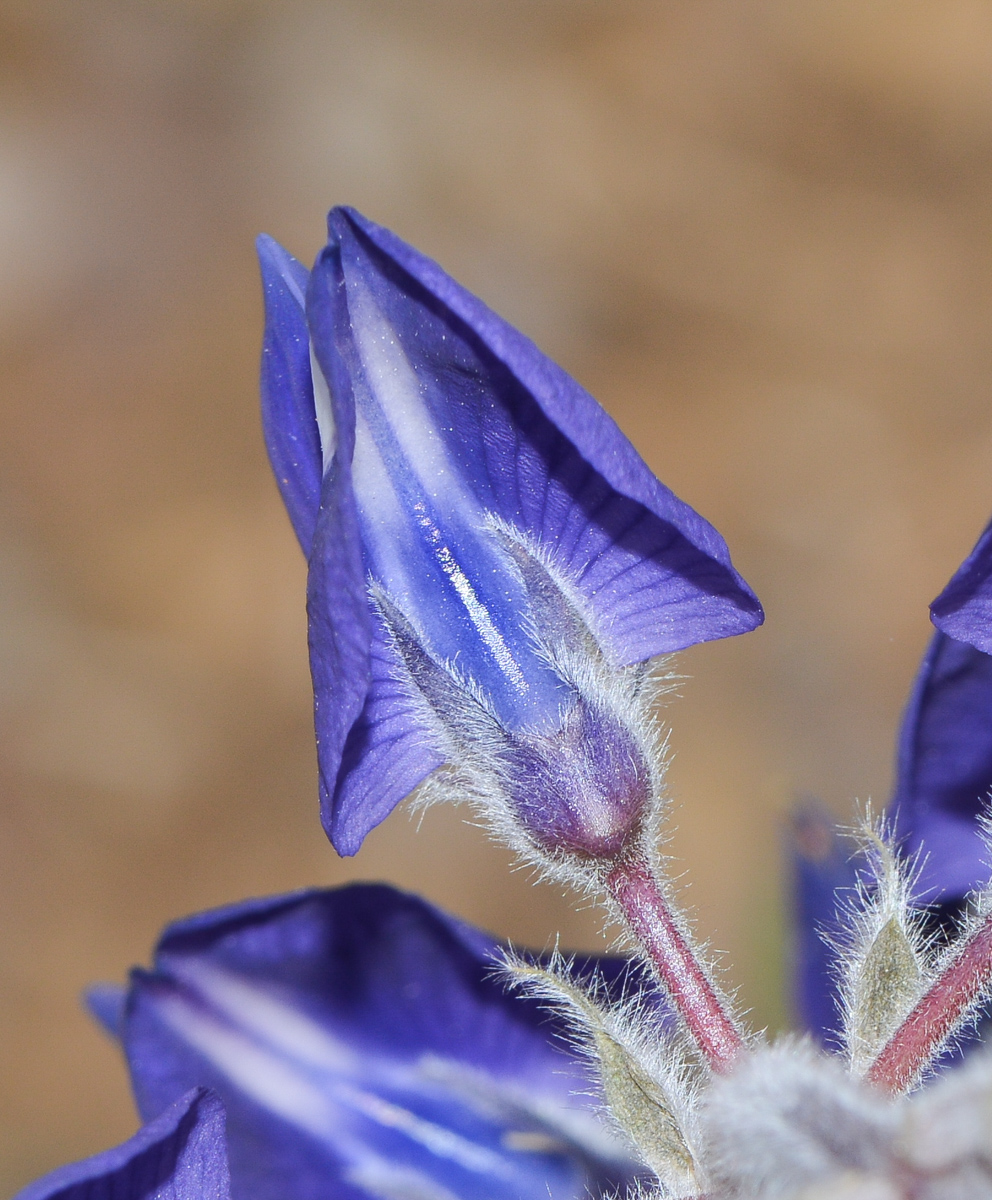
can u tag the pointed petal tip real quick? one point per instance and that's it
(180, 1155)
(278, 266)
(346, 842)
(105, 1002)
(963, 610)
(341, 216)
(271, 255)
(963, 624)
(751, 609)
(346, 826)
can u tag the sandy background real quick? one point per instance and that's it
(758, 231)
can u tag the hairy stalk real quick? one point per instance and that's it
(636, 891)
(939, 1013)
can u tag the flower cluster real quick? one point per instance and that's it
(495, 578)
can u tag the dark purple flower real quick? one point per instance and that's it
(364, 1045)
(963, 610)
(944, 770)
(944, 767)
(943, 783)
(942, 789)
(471, 516)
(823, 881)
(180, 1155)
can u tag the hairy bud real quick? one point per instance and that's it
(645, 1082)
(884, 970)
(583, 790)
(578, 789)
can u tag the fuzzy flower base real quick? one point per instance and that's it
(790, 1123)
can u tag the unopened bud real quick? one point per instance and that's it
(578, 790)
(583, 790)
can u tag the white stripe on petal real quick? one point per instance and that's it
(270, 1020)
(399, 404)
(442, 1142)
(396, 392)
(323, 411)
(380, 504)
(477, 611)
(392, 1181)
(280, 1080)
(260, 1074)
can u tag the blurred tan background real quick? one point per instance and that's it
(758, 231)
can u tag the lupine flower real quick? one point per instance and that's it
(363, 1047)
(963, 610)
(180, 1155)
(944, 776)
(489, 556)
(940, 800)
(823, 877)
(944, 770)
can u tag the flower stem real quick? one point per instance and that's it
(634, 887)
(919, 1038)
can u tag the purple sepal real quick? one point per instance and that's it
(944, 769)
(363, 1043)
(540, 452)
(963, 610)
(180, 1155)
(584, 792)
(823, 879)
(288, 419)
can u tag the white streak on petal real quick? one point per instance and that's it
(507, 1101)
(294, 289)
(396, 391)
(267, 1018)
(391, 1181)
(281, 1084)
(397, 395)
(323, 411)
(259, 1073)
(379, 503)
(477, 611)
(443, 1143)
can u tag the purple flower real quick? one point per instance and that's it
(944, 770)
(180, 1155)
(943, 782)
(963, 610)
(472, 517)
(944, 778)
(363, 1046)
(944, 764)
(823, 879)
(942, 789)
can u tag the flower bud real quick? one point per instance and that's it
(429, 455)
(584, 790)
